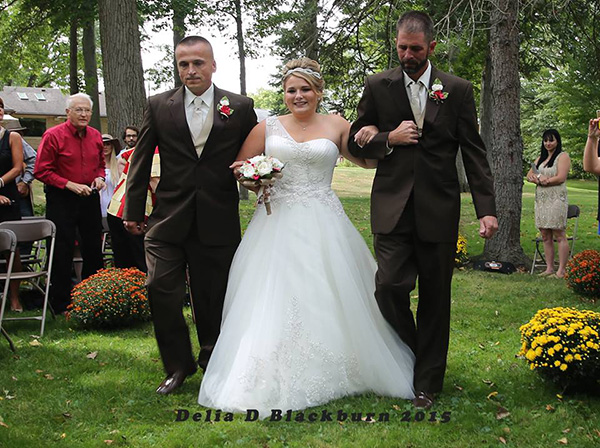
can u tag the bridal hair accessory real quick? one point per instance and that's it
(437, 93)
(224, 110)
(306, 71)
(261, 171)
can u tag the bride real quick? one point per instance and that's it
(300, 323)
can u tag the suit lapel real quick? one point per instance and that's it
(398, 92)
(431, 107)
(218, 122)
(179, 120)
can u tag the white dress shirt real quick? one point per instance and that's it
(196, 114)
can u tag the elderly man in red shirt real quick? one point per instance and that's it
(70, 163)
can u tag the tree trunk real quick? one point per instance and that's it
(311, 34)
(90, 69)
(122, 64)
(73, 82)
(179, 16)
(242, 58)
(462, 174)
(504, 141)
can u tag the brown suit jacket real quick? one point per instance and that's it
(192, 189)
(426, 169)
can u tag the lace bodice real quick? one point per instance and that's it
(308, 168)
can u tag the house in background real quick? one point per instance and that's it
(39, 108)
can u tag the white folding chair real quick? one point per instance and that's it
(8, 242)
(32, 230)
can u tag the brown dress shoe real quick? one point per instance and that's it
(171, 382)
(423, 400)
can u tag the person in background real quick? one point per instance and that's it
(591, 156)
(111, 147)
(551, 203)
(130, 136)
(11, 165)
(128, 249)
(70, 163)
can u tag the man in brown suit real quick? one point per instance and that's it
(415, 200)
(199, 129)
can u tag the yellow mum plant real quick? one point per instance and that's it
(461, 256)
(110, 298)
(563, 344)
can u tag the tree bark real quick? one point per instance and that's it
(90, 69)
(122, 64)
(311, 34)
(179, 31)
(504, 140)
(242, 58)
(73, 82)
(462, 174)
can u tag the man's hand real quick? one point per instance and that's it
(98, 184)
(488, 226)
(135, 227)
(235, 166)
(405, 134)
(5, 201)
(78, 189)
(365, 135)
(23, 189)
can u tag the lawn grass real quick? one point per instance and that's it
(54, 395)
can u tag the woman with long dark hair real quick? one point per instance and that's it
(550, 175)
(11, 165)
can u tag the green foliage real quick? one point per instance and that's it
(269, 99)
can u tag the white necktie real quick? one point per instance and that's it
(415, 104)
(199, 115)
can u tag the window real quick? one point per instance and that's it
(22, 96)
(40, 97)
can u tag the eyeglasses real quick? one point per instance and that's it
(82, 111)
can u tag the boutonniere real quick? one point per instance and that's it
(437, 93)
(224, 110)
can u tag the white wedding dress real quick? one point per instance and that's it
(300, 324)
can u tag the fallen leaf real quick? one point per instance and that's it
(114, 431)
(597, 432)
(38, 371)
(488, 382)
(502, 413)
(15, 378)
(457, 387)
(35, 343)
(108, 442)
(493, 394)
(502, 439)
(566, 431)
(102, 364)
(496, 313)
(497, 343)
(396, 407)
(92, 355)
(3, 424)
(563, 441)
(48, 376)
(482, 347)
(63, 435)
(35, 336)
(66, 415)
(506, 429)
(550, 408)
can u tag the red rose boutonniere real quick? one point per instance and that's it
(223, 107)
(437, 93)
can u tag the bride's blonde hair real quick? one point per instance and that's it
(307, 69)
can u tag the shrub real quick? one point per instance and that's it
(583, 273)
(111, 298)
(461, 258)
(563, 344)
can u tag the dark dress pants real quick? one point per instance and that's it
(128, 249)
(402, 257)
(208, 271)
(71, 213)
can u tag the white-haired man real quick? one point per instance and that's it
(70, 163)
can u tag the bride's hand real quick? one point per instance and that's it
(235, 166)
(365, 135)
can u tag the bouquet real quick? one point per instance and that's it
(563, 344)
(261, 172)
(110, 298)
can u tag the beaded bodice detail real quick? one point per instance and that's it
(308, 168)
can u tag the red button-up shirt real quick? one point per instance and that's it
(64, 155)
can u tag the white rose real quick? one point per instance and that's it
(436, 87)
(256, 159)
(248, 171)
(276, 163)
(264, 168)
